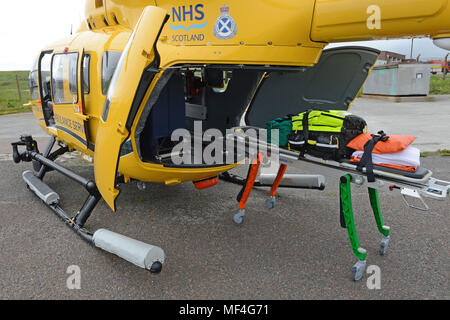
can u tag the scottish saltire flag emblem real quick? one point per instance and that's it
(225, 27)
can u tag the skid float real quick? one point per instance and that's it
(139, 253)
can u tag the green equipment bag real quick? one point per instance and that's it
(285, 129)
(325, 134)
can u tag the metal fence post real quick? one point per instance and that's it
(18, 86)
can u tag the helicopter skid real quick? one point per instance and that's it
(139, 253)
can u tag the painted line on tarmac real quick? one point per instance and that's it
(6, 157)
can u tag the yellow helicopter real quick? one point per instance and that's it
(137, 70)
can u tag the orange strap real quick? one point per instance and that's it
(254, 168)
(278, 179)
(392, 166)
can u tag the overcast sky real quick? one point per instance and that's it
(28, 25)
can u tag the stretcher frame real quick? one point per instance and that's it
(408, 187)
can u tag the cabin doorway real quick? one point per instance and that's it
(44, 69)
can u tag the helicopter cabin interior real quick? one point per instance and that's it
(216, 96)
(220, 95)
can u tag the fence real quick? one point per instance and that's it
(14, 91)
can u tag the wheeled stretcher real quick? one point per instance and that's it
(418, 185)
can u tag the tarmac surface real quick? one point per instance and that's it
(429, 121)
(296, 251)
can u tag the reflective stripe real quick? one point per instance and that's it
(295, 142)
(334, 146)
(327, 145)
(318, 128)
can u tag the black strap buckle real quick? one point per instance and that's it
(381, 136)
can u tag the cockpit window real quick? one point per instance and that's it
(109, 63)
(86, 75)
(33, 82)
(64, 78)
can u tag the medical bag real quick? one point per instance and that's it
(284, 125)
(325, 134)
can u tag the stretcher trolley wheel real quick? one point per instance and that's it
(384, 244)
(358, 269)
(270, 203)
(238, 217)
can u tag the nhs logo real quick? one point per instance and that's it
(188, 13)
(191, 13)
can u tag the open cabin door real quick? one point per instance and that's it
(135, 72)
(68, 97)
(332, 84)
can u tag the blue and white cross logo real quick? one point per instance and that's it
(225, 27)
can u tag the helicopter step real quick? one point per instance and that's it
(139, 253)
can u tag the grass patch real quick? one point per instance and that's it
(442, 153)
(439, 85)
(9, 96)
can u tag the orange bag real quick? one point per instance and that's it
(395, 143)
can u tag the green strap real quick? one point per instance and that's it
(375, 203)
(347, 210)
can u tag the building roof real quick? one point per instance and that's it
(385, 54)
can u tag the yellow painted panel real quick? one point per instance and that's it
(149, 172)
(347, 20)
(261, 55)
(126, 13)
(112, 130)
(253, 22)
